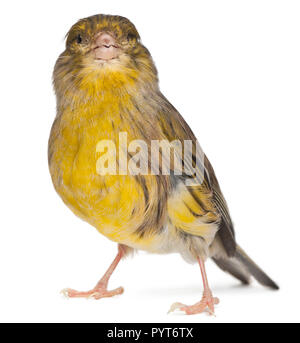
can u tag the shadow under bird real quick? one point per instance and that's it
(106, 83)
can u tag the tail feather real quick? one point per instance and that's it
(241, 266)
(233, 267)
(254, 270)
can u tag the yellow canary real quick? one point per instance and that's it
(106, 86)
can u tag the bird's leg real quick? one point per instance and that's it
(100, 290)
(206, 303)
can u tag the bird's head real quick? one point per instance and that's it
(103, 52)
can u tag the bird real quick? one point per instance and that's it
(107, 89)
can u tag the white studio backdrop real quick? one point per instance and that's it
(232, 69)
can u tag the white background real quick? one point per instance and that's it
(232, 69)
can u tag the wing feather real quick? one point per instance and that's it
(190, 207)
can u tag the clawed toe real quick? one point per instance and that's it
(176, 306)
(65, 292)
(93, 294)
(105, 293)
(206, 304)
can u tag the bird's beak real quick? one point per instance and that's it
(105, 47)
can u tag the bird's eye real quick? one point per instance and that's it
(130, 36)
(79, 39)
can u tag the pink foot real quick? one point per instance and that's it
(96, 293)
(207, 303)
(100, 290)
